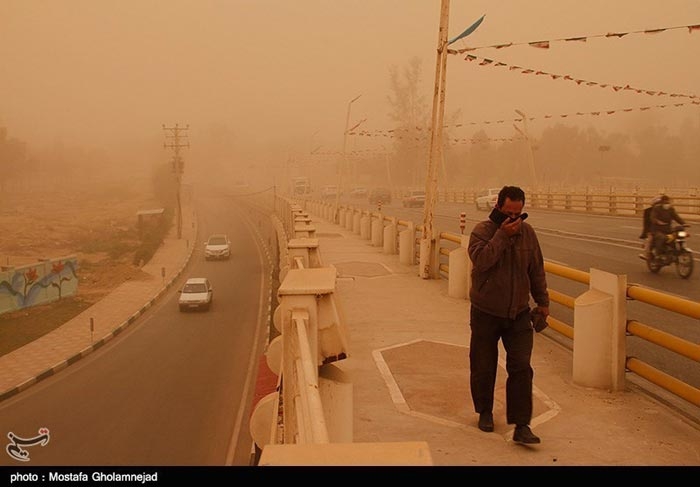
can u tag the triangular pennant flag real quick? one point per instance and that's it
(468, 30)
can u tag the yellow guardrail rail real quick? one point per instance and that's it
(615, 204)
(660, 338)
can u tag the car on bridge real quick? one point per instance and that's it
(414, 198)
(486, 199)
(329, 192)
(358, 192)
(378, 195)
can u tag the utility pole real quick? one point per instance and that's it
(174, 134)
(530, 154)
(343, 164)
(428, 241)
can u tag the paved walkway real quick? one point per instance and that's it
(408, 358)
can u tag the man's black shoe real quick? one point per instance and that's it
(486, 422)
(523, 434)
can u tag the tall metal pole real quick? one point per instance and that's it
(178, 167)
(530, 153)
(428, 241)
(344, 162)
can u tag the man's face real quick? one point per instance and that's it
(512, 208)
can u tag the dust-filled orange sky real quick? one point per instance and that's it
(280, 73)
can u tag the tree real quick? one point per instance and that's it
(409, 111)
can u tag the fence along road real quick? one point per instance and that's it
(675, 353)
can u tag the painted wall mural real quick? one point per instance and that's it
(28, 285)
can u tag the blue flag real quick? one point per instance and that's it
(469, 30)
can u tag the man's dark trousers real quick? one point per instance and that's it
(517, 337)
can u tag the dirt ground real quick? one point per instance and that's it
(95, 224)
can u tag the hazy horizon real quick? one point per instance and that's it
(272, 79)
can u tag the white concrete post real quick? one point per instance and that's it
(349, 218)
(365, 226)
(356, 222)
(390, 238)
(377, 231)
(407, 245)
(592, 345)
(600, 322)
(460, 268)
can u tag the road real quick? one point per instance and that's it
(174, 388)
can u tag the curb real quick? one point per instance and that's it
(106, 338)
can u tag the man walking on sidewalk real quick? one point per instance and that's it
(508, 267)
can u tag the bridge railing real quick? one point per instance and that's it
(452, 263)
(308, 419)
(606, 201)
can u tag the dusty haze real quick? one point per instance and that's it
(265, 82)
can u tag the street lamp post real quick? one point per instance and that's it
(530, 153)
(344, 162)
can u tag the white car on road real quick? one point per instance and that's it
(486, 199)
(218, 246)
(197, 293)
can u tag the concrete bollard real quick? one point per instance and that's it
(390, 238)
(365, 227)
(349, 219)
(458, 280)
(377, 231)
(407, 250)
(593, 322)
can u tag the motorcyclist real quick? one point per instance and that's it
(662, 216)
(646, 228)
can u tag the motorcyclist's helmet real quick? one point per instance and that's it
(665, 201)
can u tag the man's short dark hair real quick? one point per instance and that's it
(514, 193)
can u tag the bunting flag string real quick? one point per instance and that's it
(423, 132)
(578, 81)
(545, 44)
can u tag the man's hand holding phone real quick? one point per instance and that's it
(512, 225)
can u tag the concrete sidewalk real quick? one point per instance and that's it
(408, 359)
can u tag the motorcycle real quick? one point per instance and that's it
(675, 252)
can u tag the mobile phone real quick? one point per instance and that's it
(522, 216)
(497, 216)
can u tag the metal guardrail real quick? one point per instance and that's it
(615, 204)
(597, 201)
(634, 328)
